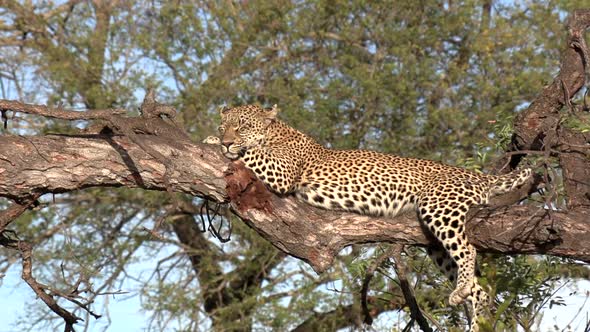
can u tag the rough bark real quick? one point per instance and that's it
(540, 127)
(57, 164)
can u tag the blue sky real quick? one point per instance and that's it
(124, 310)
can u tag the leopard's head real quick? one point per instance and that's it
(244, 127)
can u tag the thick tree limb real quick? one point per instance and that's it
(58, 113)
(57, 164)
(540, 127)
(542, 115)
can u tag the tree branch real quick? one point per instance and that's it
(401, 270)
(15, 210)
(27, 275)
(540, 127)
(58, 113)
(57, 164)
(542, 115)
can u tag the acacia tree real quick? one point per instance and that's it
(148, 152)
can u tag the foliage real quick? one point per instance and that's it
(579, 123)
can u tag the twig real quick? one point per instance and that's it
(566, 96)
(204, 210)
(401, 270)
(217, 231)
(15, 210)
(73, 297)
(27, 275)
(4, 119)
(158, 223)
(408, 326)
(368, 276)
(578, 313)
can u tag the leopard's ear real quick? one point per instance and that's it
(223, 109)
(270, 114)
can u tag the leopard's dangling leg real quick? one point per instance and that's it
(446, 221)
(443, 262)
(479, 299)
(480, 302)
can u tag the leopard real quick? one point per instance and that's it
(367, 182)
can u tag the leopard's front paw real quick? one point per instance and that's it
(214, 140)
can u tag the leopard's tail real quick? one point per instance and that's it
(507, 182)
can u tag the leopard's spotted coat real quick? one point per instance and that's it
(371, 183)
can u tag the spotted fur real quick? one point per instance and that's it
(370, 183)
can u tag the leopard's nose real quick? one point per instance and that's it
(226, 143)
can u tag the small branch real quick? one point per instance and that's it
(15, 210)
(368, 276)
(4, 119)
(150, 108)
(73, 296)
(401, 270)
(27, 275)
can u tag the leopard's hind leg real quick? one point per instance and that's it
(479, 298)
(445, 218)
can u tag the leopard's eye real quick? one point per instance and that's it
(221, 129)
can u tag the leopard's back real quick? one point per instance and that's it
(374, 183)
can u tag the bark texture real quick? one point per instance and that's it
(540, 128)
(56, 164)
